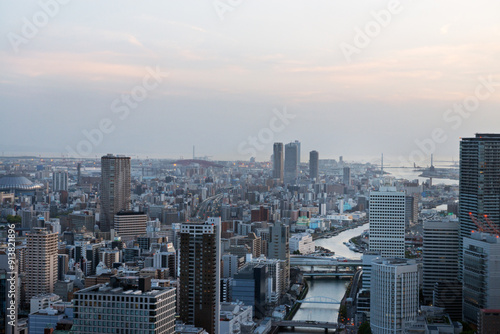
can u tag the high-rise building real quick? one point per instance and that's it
(62, 266)
(278, 162)
(440, 254)
(448, 295)
(60, 180)
(481, 274)
(41, 262)
(291, 166)
(313, 165)
(275, 283)
(387, 222)
(250, 287)
(115, 188)
(367, 258)
(479, 192)
(130, 224)
(279, 248)
(347, 176)
(199, 279)
(78, 173)
(298, 151)
(394, 295)
(124, 307)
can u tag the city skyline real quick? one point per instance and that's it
(241, 167)
(214, 70)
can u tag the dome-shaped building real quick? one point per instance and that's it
(18, 184)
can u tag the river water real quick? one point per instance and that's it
(410, 174)
(335, 288)
(328, 287)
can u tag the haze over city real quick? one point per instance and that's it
(224, 68)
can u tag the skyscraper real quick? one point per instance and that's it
(291, 166)
(479, 193)
(387, 222)
(115, 188)
(298, 151)
(199, 279)
(41, 262)
(440, 254)
(60, 180)
(394, 295)
(279, 248)
(347, 176)
(278, 161)
(313, 165)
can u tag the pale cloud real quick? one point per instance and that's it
(134, 41)
(444, 29)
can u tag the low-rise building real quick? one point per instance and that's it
(234, 317)
(302, 242)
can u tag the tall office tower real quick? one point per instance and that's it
(313, 165)
(387, 222)
(26, 217)
(78, 173)
(279, 248)
(448, 295)
(199, 280)
(440, 254)
(128, 306)
(298, 151)
(394, 295)
(479, 192)
(250, 286)
(41, 262)
(291, 166)
(481, 274)
(60, 180)
(62, 266)
(115, 188)
(409, 200)
(347, 176)
(130, 224)
(278, 161)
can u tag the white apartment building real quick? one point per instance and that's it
(394, 294)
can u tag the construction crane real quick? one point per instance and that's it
(491, 225)
(480, 226)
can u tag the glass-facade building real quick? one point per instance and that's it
(479, 183)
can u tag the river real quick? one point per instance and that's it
(330, 287)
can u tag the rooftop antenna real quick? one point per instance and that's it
(193, 152)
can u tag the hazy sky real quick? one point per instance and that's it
(69, 67)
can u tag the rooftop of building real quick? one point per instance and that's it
(129, 213)
(394, 261)
(228, 310)
(494, 136)
(121, 290)
(485, 237)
